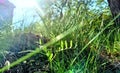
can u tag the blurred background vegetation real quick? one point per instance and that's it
(92, 47)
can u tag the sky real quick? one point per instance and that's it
(25, 13)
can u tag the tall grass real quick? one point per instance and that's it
(76, 41)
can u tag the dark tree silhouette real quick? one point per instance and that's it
(115, 9)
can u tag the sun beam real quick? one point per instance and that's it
(27, 4)
(24, 3)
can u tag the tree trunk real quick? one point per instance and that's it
(115, 10)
